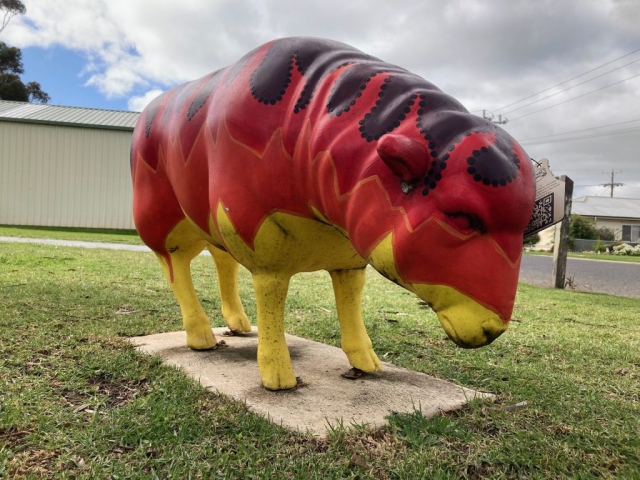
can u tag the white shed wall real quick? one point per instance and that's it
(64, 176)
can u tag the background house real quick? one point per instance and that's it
(621, 215)
(65, 166)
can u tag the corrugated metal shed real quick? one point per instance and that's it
(602, 207)
(67, 116)
(65, 166)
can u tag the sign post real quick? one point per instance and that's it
(553, 206)
(561, 242)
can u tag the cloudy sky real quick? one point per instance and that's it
(565, 73)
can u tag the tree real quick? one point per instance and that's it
(10, 9)
(11, 86)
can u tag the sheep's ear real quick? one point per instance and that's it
(406, 157)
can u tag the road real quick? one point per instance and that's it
(604, 276)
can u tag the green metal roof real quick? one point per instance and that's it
(67, 116)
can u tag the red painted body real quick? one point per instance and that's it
(212, 142)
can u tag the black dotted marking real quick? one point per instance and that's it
(201, 97)
(395, 101)
(495, 165)
(444, 122)
(150, 113)
(314, 59)
(180, 95)
(270, 78)
(441, 120)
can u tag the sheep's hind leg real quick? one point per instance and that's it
(184, 244)
(232, 309)
(274, 361)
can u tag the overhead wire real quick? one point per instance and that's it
(582, 130)
(567, 81)
(575, 98)
(581, 137)
(569, 88)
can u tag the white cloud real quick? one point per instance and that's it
(137, 104)
(486, 53)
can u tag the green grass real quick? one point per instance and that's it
(77, 401)
(82, 234)
(592, 256)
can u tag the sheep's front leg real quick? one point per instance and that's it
(347, 286)
(273, 355)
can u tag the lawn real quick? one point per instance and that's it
(78, 234)
(77, 401)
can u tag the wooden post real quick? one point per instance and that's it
(561, 242)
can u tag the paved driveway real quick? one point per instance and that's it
(604, 276)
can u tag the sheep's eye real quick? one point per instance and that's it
(466, 222)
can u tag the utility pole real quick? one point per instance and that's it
(612, 184)
(500, 121)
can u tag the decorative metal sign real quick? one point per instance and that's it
(549, 206)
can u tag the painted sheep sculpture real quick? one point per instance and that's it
(308, 154)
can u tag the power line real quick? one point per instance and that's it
(567, 81)
(569, 88)
(580, 169)
(581, 137)
(575, 98)
(578, 131)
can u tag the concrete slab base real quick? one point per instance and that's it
(327, 399)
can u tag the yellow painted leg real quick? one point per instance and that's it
(232, 309)
(184, 244)
(347, 286)
(273, 355)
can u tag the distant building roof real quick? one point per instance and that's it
(606, 207)
(67, 116)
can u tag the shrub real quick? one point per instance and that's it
(606, 234)
(626, 249)
(531, 240)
